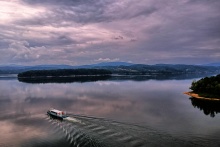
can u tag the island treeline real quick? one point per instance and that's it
(64, 73)
(207, 87)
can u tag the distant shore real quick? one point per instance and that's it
(195, 95)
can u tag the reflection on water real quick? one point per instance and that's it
(208, 107)
(38, 80)
(64, 79)
(159, 105)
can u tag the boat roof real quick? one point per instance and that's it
(55, 110)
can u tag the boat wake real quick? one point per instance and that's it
(84, 131)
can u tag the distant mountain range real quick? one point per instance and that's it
(213, 64)
(103, 64)
(123, 68)
(49, 67)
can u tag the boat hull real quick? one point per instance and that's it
(54, 116)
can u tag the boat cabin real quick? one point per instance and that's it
(56, 113)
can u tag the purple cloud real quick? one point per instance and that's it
(86, 31)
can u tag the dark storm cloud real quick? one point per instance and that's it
(53, 41)
(57, 2)
(85, 11)
(191, 32)
(84, 31)
(3, 44)
(69, 10)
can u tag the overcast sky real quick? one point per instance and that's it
(80, 32)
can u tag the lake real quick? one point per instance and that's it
(111, 113)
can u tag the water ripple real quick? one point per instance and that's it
(87, 131)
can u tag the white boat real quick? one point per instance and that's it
(57, 113)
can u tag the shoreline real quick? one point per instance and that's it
(195, 95)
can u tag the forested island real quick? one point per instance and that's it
(64, 73)
(208, 87)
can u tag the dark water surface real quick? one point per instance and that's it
(112, 113)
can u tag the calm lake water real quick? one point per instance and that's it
(111, 113)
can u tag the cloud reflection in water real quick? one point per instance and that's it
(158, 104)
